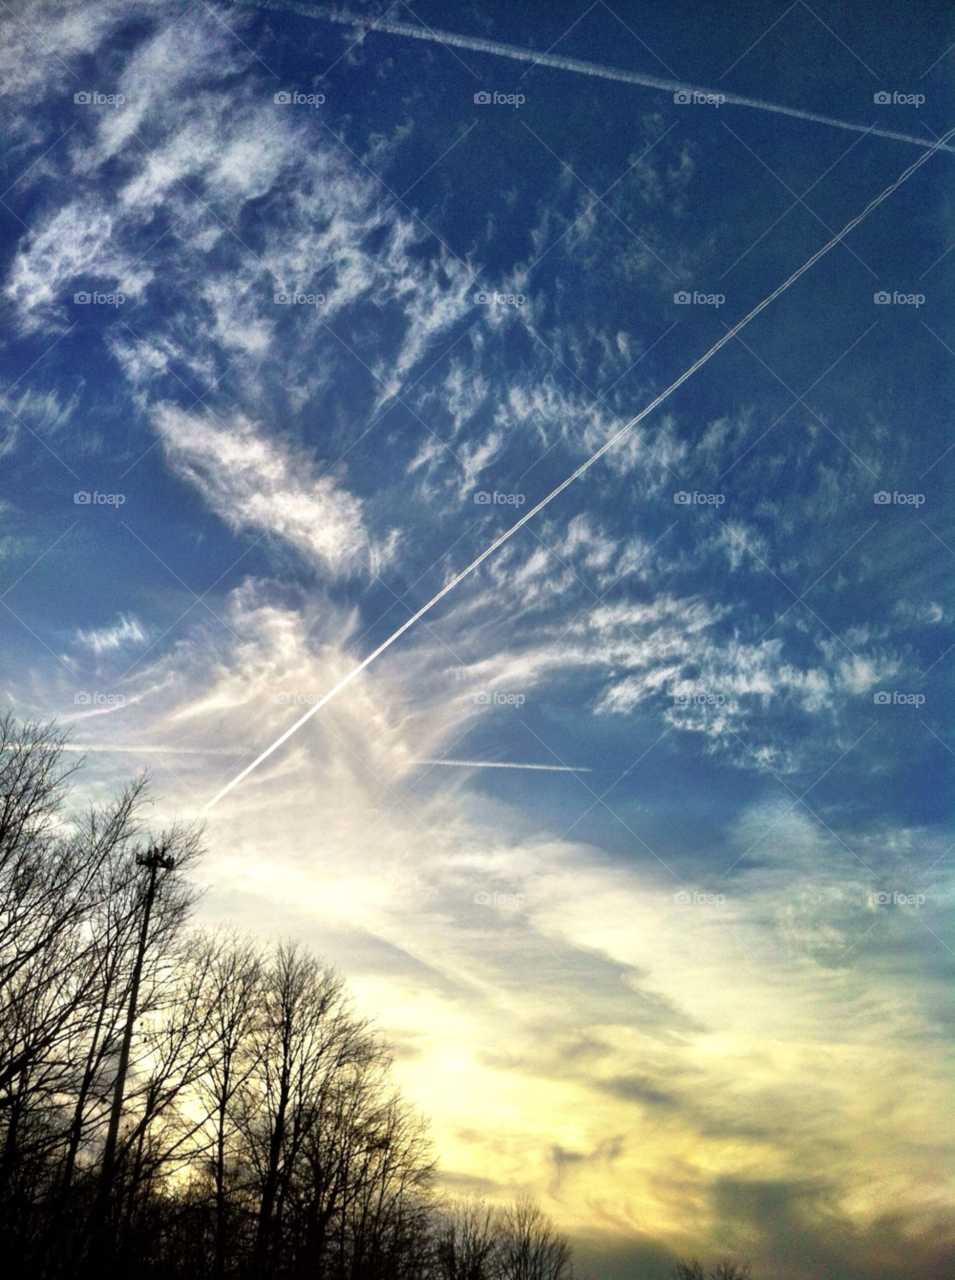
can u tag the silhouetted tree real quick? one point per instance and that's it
(69, 908)
(228, 1060)
(722, 1270)
(529, 1247)
(466, 1242)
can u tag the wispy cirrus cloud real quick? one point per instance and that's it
(127, 631)
(252, 480)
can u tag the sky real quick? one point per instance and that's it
(637, 842)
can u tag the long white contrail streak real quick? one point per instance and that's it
(585, 466)
(516, 53)
(112, 748)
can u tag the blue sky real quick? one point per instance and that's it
(654, 983)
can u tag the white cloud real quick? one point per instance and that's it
(41, 412)
(44, 39)
(204, 150)
(126, 632)
(74, 249)
(253, 481)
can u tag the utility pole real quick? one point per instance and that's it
(155, 860)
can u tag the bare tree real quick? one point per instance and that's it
(466, 1243)
(70, 913)
(388, 1159)
(726, 1270)
(722, 1270)
(530, 1248)
(305, 1033)
(233, 997)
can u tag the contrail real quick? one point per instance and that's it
(585, 466)
(479, 45)
(118, 749)
(495, 764)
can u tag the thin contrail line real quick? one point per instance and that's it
(515, 52)
(585, 466)
(496, 764)
(116, 748)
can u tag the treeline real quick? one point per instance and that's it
(176, 1103)
(179, 1103)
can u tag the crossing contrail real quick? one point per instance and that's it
(585, 466)
(517, 54)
